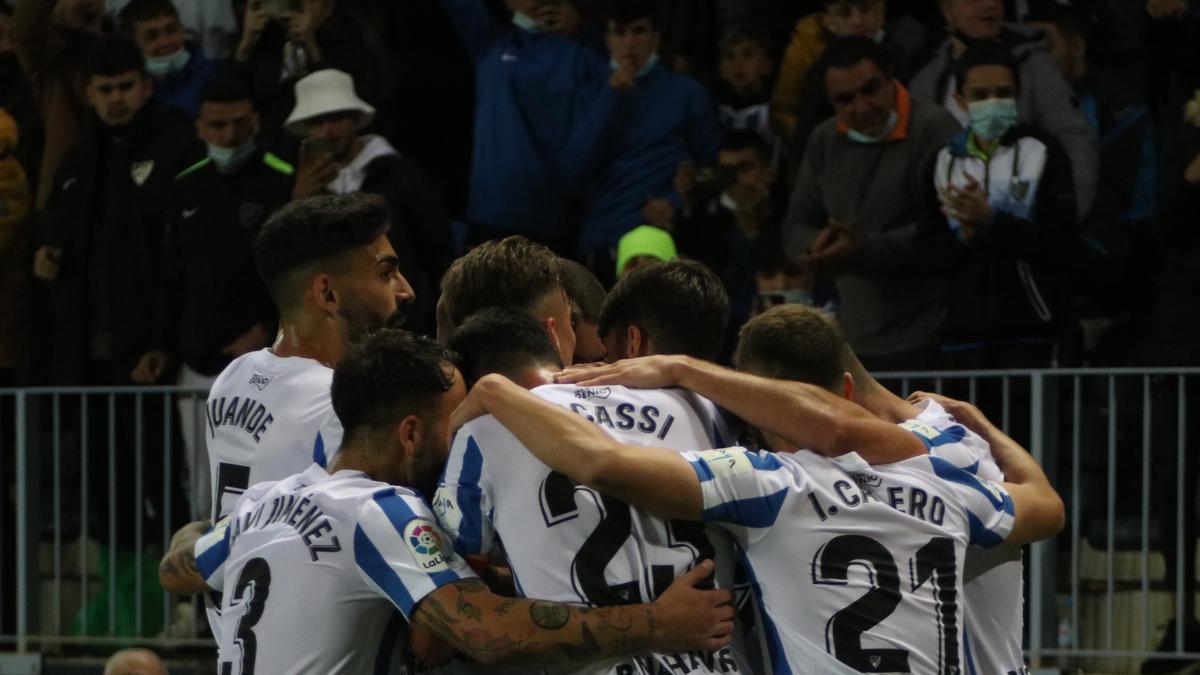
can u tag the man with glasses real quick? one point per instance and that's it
(864, 213)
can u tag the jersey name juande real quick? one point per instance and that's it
(568, 543)
(314, 568)
(267, 418)
(993, 582)
(855, 568)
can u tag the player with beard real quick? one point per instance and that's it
(332, 274)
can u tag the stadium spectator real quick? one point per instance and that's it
(1120, 222)
(644, 245)
(533, 87)
(659, 121)
(135, 662)
(779, 280)
(798, 102)
(871, 233)
(16, 98)
(213, 306)
(210, 25)
(280, 45)
(1047, 101)
(511, 272)
(53, 37)
(743, 95)
(178, 69)
(1006, 190)
(587, 300)
(335, 158)
(732, 210)
(676, 307)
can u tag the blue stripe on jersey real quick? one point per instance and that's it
(704, 473)
(319, 451)
(951, 434)
(215, 556)
(980, 535)
(387, 645)
(967, 652)
(753, 512)
(371, 562)
(779, 662)
(470, 530)
(947, 471)
(973, 469)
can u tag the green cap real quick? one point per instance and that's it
(644, 240)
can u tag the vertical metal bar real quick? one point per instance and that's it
(1146, 512)
(904, 392)
(196, 466)
(1037, 551)
(84, 479)
(937, 385)
(166, 483)
(57, 442)
(139, 505)
(1004, 389)
(973, 388)
(22, 525)
(112, 514)
(1076, 516)
(1111, 511)
(1181, 438)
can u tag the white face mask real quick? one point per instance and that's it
(645, 66)
(527, 23)
(859, 137)
(161, 66)
(229, 158)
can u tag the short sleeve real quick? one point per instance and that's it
(211, 551)
(989, 507)
(744, 491)
(463, 502)
(400, 551)
(956, 444)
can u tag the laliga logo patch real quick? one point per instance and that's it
(592, 392)
(140, 171)
(426, 546)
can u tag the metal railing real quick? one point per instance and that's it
(1114, 442)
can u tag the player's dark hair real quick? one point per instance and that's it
(386, 376)
(226, 89)
(794, 342)
(112, 56)
(501, 340)
(585, 290)
(985, 53)
(511, 272)
(144, 10)
(625, 12)
(849, 51)
(313, 233)
(680, 305)
(746, 139)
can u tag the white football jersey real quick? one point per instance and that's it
(313, 569)
(993, 583)
(855, 568)
(568, 543)
(267, 418)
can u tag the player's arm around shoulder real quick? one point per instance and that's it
(492, 629)
(177, 571)
(656, 479)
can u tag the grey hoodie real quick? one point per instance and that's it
(1047, 102)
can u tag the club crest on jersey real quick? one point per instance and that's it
(140, 171)
(427, 547)
(592, 392)
(259, 380)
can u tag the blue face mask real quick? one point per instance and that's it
(859, 137)
(993, 118)
(527, 23)
(228, 158)
(645, 66)
(161, 66)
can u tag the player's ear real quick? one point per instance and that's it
(635, 342)
(322, 293)
(848, 386)
(551, 325)
(408, 434)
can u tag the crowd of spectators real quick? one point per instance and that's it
(963, 183)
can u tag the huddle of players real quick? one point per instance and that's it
(590, 499)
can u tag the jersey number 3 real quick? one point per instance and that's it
(253, 586)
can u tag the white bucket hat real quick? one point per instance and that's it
(324, 92)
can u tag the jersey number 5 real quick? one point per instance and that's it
(253, 586)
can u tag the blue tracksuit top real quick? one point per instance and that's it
(182, 89)
(632, 143)
(531, 89)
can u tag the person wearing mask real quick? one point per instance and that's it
(179, 70)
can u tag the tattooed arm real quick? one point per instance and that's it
(492, 629)
(177, 571)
